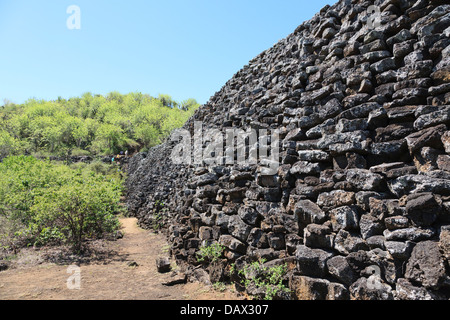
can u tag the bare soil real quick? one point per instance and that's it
(113, 270)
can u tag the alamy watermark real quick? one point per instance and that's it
(74, 280)
(73, 22)
(374, 281)
(227, 147)
(374, 17)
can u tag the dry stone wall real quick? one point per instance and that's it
(360, 205)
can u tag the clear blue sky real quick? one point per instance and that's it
(184, 48)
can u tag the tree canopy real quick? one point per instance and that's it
(90, 124)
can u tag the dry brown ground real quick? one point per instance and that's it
(106, 275)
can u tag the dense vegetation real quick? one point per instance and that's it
(90, 125)
(44, 202)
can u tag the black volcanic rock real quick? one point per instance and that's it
(359, 191)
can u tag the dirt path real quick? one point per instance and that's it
(110, 277)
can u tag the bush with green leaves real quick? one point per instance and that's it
(159, 212)
(13, 235)
(47, 202)
(90, 125)
(270, 280)
(210, 253)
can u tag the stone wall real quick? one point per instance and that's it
(360, 205)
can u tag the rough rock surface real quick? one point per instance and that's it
(360, 202)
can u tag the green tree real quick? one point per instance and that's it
(85, 209)
(148, 135)
(93, 124)
(8, 145)
(46, 202)
(167, 101)
(109, 138)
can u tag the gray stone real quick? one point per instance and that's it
(346, 218)
(258, 239)
(396, 222)
(341, 270)
(444, 242)
(276, 240)
(336, 198)
(446, 141)
(383, 65)
(359, 261)
(412, 183)
(371, 289)
(400, 50)
(443, 162)
(433, 118)
(370, 226)
(406, 291)
(426, 160)
(363, 197)
(378, 208)
(330, 109)
(350, 160)
(222, 220)
(232, 243)
(295, 135)
(365, 180)
(269, 181)
(388, 149)
(426, 265)
(238, 228)
(346, 242)
(312, 262)
(313, 155)
(430, 137)
(376, 242)
(345, 125)
(205, 233)
(411, 234)
(163, 265)
(309, 212)
(305, 167)
(432, 23)
(422, 209)
(205, 179)
(312, 289)
(318, 236)
(337, 291)
(249, 215)
(399, 250)
(344, 142)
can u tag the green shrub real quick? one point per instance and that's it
(54, 203)
(90, 125)
(8, 145)
(85, 209)
(13, 235)
(269, 279)
(210, 253)
(77, 152)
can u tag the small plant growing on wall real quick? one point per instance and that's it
(211, 253)
(265, 282)
(158, 215)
